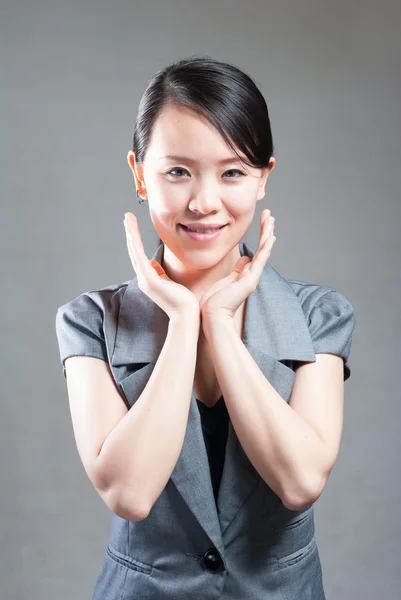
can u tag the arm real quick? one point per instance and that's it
(150, 433)
(285, 449)
(153, 431)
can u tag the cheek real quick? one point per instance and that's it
(243, 210)
(163, 218)
(167, 202)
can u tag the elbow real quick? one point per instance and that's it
(303, 497)
(299, 503)
(123, 505)
(120, 500)
(118, 497)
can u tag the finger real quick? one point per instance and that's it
(268, 239)
(268, 234)
(135, 240)
(267, 226)
(262, 254)
(269, 229)
(136, 248)
(130, 246)
(268, 247)
(239, 267)
(265, 214)
(264, 219)
(132, 227)
(159, 269)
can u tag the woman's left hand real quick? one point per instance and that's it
(226, 295)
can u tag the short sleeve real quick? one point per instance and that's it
(331, 324)
(79, 329)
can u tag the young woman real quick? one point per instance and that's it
(206, 392)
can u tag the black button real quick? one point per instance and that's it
(212, 560)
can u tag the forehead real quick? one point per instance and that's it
(180, 130)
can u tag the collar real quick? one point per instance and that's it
(275, 322)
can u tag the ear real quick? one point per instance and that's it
(265, 174)
(137, 171)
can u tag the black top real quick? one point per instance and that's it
(215, 431)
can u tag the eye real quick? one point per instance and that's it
(175, 169)
(170, 172)
(235, 171)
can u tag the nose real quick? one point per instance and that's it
(206, 200)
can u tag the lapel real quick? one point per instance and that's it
(275, 330)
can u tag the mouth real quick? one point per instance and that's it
(202, 235)
(203, 229)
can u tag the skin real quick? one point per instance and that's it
(292, 445)
(202, 191)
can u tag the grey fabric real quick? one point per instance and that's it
(258, 548)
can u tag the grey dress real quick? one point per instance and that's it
(242, 542)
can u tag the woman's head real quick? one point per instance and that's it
(205, 112)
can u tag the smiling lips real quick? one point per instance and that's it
(202, 235)
(203, 227)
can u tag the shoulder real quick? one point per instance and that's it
(100, 301)
(330, 317)
(315, 298)
(308, 293)
(86, 325)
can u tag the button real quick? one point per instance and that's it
(212, 560)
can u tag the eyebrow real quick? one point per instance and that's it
(226, 161)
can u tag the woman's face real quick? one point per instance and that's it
(196, 188)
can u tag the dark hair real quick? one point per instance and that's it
(226, 96)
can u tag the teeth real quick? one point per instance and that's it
(203, 230)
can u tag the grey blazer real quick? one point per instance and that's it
(247, 545)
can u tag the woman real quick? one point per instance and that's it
(213, 418)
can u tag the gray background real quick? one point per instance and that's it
(72, 76)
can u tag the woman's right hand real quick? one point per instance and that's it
(175, 299)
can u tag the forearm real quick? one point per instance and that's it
(140, 453)
(285, 450)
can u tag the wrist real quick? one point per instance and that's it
(189, 319)
(214, 323)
